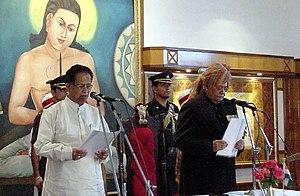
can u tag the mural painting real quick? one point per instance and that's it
(41, 40)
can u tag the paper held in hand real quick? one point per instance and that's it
(96, 141)
(233, 133)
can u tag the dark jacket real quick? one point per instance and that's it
(200, 122)
(165, 155)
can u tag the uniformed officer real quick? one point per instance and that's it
(58, 93)
(161, 109)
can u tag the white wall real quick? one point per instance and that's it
(256, 26)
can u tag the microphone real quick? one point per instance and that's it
(100, 97)
(110, 99)
(246, 105)
(95, 96)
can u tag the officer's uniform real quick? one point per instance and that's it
(59, 82)
(168, 115)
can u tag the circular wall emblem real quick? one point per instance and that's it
(124, 64)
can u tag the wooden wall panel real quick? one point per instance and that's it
(292, 124)
(268, 124)
(159, 57)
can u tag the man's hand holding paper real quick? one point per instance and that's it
(78, 154)
(102, 154)
(219, 145)
(96, 144)
(233, 137)
(239, 145)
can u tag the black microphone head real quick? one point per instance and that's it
(246, 105)
(93, 94)
(233, 100)
(239, 102)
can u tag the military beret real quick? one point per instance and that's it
(163, 77)
(59, 82)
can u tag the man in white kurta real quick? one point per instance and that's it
(63, 128)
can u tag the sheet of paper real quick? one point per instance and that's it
(96, 141)
(233, 133)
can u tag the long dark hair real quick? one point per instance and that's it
(36, 40)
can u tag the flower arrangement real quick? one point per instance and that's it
(270, 174)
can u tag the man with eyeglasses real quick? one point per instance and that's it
(63, 128)
(166, 114)
(201, 124)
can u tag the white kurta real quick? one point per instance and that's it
(62, 127)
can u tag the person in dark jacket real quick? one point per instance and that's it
(165, 113)
(201, 125)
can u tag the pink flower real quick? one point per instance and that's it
(259, 175)
(269, 174)
(266, 172)
(270, 164)
(278, 173)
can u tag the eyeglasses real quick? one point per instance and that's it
(89, 86)
(219, 88)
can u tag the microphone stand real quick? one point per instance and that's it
(148, 185)
(109, 149)
(255, 150)
(121, 148)
(269, 147)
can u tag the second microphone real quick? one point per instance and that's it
(101, 97)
